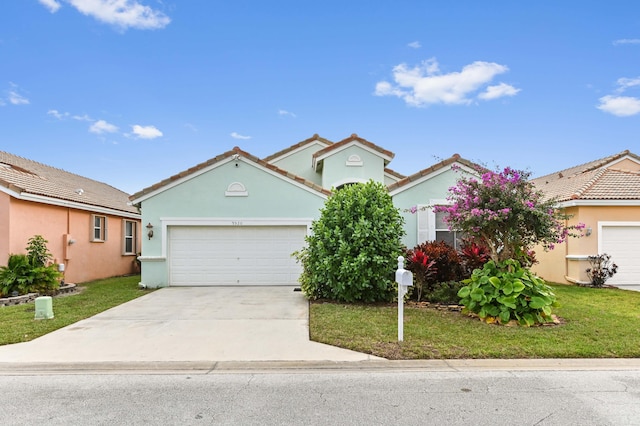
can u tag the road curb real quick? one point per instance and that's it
(254, 367)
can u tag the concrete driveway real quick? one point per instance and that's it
(188, 324)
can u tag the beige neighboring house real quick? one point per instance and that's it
(604, 195)
(92, 230)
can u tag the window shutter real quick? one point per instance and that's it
(422, 216)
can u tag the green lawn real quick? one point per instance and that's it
(597, 323)
(17, 323)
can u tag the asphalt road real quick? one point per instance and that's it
(308, 397)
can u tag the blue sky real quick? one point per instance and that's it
(130, 92)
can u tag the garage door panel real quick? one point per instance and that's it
(224, 255)
(622, 243)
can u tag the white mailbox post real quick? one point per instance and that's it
(404, 279)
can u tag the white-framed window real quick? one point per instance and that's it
(99, 228)
(431, 225)
(130, 237)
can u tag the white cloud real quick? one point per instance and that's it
(52, 5)
(121, 13)
(626, 41)
(239, 136)
(621, 106)
(283, 112)
(498, 91)
(424, 84)
(624, 83)
(57, 114)
(14, 97)
(101, 126)
(83, 117)
(146, 132)
(415, 45)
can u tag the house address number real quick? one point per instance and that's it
(236, 223)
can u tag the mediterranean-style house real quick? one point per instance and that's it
(91, 229)
(237, 219)
(604, 195)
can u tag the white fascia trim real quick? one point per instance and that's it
(184, 179)
(598, 203)
(298, 149)
(239, 222)
(218, 164)
(626, 157)
(75, 205)
(430, 176)
(349, 145)
(392, 177)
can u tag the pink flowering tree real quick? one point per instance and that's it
(504, 212)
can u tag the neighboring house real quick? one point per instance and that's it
(236, 219)
(91, 228)
(604, 195)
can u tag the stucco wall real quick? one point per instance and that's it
(434, 187)
(299, 162)
(568, 260)
(84, 260)
(336, 172)
(204, 197)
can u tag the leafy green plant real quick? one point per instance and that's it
(352, 252)
(30, 273)
(445, 293)
(37, 251)
(505, 291)
(15, 275)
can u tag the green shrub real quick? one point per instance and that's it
(29, 273)
(506, 291)
(445, 293)
(351, 254)
(15, 275)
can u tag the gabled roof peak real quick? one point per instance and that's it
(235, 153)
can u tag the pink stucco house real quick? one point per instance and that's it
(92, 230)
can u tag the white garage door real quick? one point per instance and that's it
(623, 244)
(234, 255)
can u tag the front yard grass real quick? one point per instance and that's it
(596, 323)
(17, 323)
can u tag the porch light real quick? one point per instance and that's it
(150, 232)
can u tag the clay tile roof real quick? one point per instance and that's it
(313, 138)
(455, 158)
(595, 180)
(352, 138)
(25, 176)
(221, 157)
(394, 173)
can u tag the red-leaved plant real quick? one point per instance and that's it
(423, 269)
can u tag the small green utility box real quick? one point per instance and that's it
(44, 307)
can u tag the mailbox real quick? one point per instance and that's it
(404, 279)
